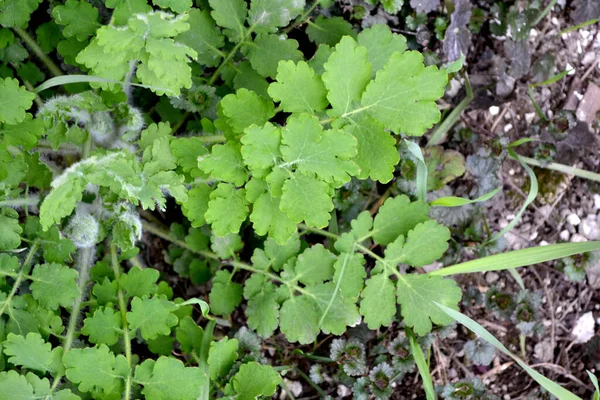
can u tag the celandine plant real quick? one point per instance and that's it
(275, 136)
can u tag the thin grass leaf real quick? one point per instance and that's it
(552, 79)
(421, 169)
(515, 274)
(594, 380)
(552, 387)
(581, 173)
(581, 25)
(453, 117)
(419, 357)
(519, 258)
(522, 141)
(453, 201)
(67, 79)
(533, 192)
(537, 108)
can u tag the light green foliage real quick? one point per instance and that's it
(10, 230)
(227, 209)
(124, 9)
(148, 39)
(298, 89)
(378, 301)
(225, 163)
(246, 108)
(266, 51)
(329, 31)
(178, 6)
(396, 217)
(32, 352)
(221, 357)
(204, 37)
(230, 14)
(14, 101)
(225, 294)
(268, 15)
(167, 378)
(54, 285)
(94, 368)
(79, 19)
(16, 13)
(103, 327)
(380, 43)
(152, 316)
(139, 282)
(254, 380)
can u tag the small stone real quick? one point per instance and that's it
(343, 391)
(584, 328)
(544, 351)
(570, 68)
(564, 235)
(573, 219)
(588, 58)
(544, 243)
(572, 292)
(507, 128)
(590, 229)
(593, 275)
(295, 387)
(529, 117)
(432, 267)
(596, 201)
(491, 277)
(577, 238)
(494, 110)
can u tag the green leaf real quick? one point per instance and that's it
(404, 93)
(380, 43)
(124, 9)
(230, 14)
(67, 192)
(245, 108)
(15, 386)
(189, 335)
(14, 100)
(16, 13)
(254, 380)
(443, 166)
(94, 368)
(260, 148)
(188, 151)
(138, 282)
(378, 304)
(204, 37)
(268, 219)
(350, 274)
(10, 230)
(154, 132)
(335, 311)
(425, 243)
(268, 15)
(153, 317)
(79, 19)
(422, 365)
(32, 352)
(25, 133)
(263, 309)
(221, 357)
(227, 209)
(377, 153)
(314, 265)
(347, 73)
(226, 246)
(225, 163)
(326, 154)
(298, 89)
(275, 255)
(317, 62)
(104, 327)
(306, 199)
(396, 217)
(54, 285)
(225, 295)
(167, 378)
(266, 51)
(417, 295)
(329, 30)
(197, 204)
(248, 78)
(178, 6)
(299, 319)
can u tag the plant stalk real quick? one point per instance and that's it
(52, 67)
(25, 268)
(123, 310)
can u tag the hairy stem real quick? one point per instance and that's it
(84, 261)
(52, 67)
(123, 309)
(20, 202)
(163, 233)
(24, 272)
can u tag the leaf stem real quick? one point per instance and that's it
(123, 309)
(311, 383)
(25, 268)
(202, 359)
(52, 67)
(163, 233)
(318, 231)
(302, 19)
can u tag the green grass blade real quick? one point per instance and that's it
(419, 357)
(552, 79)
(595, 383)
(519, 258)
(67, 79)
(533, 192)
(581, 173)
(581, 25)
(552, 387)
(421, 169)
(453, 201)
